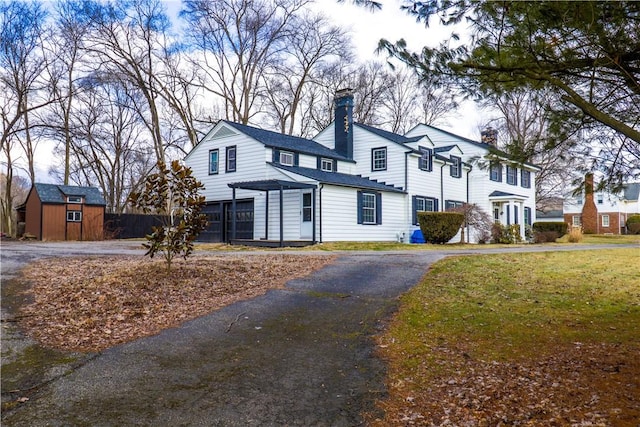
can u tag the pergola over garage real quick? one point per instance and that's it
(268, 186)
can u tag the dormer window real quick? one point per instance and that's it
(74, 199)
(326, 165)
(286, 158)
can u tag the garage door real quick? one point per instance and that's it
(219, 218)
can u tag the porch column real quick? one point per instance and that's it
(233, 214)
(313, 214)
(281, 219)
(521, 220)
(266, 220)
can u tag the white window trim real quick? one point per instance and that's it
(286, 158)
(326, 164)
(379, 155)
(369, 197)
(76, 216)
(74, 199)
(217, 162)
(606, 223)
(575, 220)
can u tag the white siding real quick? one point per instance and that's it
(363, 142)
(340, 216)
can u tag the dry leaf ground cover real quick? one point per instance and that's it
(546, 339)
(88, 304)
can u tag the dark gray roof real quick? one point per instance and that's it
(554, 213)
(52, 193)
(444, 149)
(271, 184)
(505, 194)
(288, 142)
(341, 179)
(632, 191)
(400, 139)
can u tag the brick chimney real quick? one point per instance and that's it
(589, 210)
(489, 136)
(343, 122)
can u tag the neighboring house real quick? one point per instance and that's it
(602, 212)
(62, 212)
(352, 182)
(552, 211)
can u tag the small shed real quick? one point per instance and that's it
(63, 212)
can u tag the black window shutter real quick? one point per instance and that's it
(296, 159)
(318, 162)
(413, 209)
(335, 165)
(378, 208)
(359, 207)
(276, 155)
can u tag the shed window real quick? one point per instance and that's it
(379, 159)
(74, 216)
(286, 158)
(74, 199)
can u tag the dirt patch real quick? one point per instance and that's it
(89, 304)
(584, 385)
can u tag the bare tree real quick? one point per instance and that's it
(21, 65)
(239, 41)
(523, 129)
(312, 44)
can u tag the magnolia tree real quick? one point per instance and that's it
(174, 194)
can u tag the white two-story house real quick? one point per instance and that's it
(352, 182)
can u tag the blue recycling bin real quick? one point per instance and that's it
(417, 237)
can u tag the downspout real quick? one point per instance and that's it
(442, 188)
(468, 172)
(320, 211)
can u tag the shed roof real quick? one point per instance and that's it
(52, 193)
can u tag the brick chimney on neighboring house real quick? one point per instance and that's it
(343, 122)
(589, 210)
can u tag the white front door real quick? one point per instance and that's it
(306, 216)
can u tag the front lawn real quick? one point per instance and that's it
(518, 339)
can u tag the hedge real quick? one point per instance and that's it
(558, 227)
(633, 224)
(439, 227)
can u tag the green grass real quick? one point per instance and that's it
(395, 246)
(503, 307)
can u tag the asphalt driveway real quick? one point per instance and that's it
(303, 355)
(298, 356)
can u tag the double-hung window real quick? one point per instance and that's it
(426, 160)
(213, 161)
(452, 204)
(512, 175)
(74, 216)
(231, 159)
(326, 165)
(423, 204)
(600, 198)
(455, 170)
(286, 158)
(605, 220)
(525, 178)
(496, 172)
(379, 159)
(369, 207)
